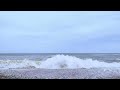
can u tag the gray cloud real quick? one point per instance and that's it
(59, 31)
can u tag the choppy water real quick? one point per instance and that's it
(58, 61)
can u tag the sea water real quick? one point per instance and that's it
(59, 60)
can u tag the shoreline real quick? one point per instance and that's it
(93, 73)
(4, 77)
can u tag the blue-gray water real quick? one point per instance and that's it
(85, 65)
(106, 57)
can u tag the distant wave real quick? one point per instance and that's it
(57, 62)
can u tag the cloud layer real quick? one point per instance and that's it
(60, 31)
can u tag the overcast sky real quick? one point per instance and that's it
(59, 31)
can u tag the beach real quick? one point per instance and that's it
(60, 67)
(93, 73)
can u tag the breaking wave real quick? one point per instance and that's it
(57, 62)
(11, 64)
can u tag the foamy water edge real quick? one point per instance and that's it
(57, 62)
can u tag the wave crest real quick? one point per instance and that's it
(72, 62)
(58, 62)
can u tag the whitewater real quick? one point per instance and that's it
(57, 62)
(60, 66)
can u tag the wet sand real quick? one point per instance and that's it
(93, 73)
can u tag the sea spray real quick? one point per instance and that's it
(57, 62)
(72, 62)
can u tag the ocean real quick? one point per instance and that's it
(59, 60)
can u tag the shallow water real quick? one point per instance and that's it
(93, 73)
(60, 61)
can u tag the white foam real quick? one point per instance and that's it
(57, 62)
(6, 64)
(71, 62)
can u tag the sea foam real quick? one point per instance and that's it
(57, 62)
(72, 62)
